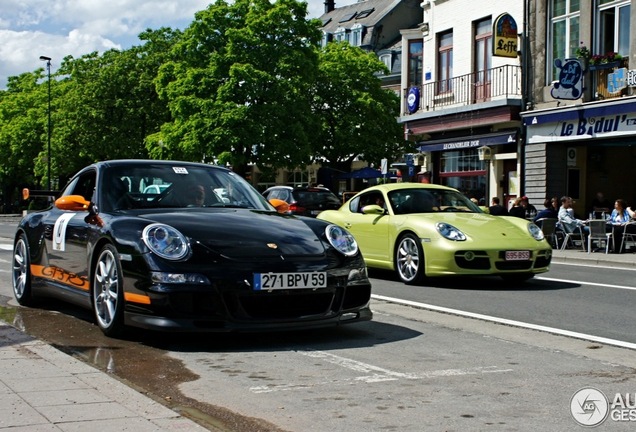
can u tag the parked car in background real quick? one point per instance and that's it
(304, 201)
(426, 230)
(186, 259)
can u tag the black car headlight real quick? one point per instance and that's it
(340, 239)
(166, 241)
(450, 232)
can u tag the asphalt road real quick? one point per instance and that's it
(410, 369)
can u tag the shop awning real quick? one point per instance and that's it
(461, 143)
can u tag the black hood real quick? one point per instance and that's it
(239, 233)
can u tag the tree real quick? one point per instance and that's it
(357, 115)
(239, 83)
(23, 133)
(110, 104)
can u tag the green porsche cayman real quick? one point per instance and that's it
(426, 230)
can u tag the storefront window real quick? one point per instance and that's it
(462, 170)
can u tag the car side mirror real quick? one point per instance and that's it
(280, 205)
(373, 209)
(72, 203)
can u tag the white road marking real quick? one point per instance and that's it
(514, 323)
(5, 246)
(588, 283)
(372, 374)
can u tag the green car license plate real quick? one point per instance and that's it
(278, 281)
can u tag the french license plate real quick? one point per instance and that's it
(315, 212)
(517, 255)
(278, 281)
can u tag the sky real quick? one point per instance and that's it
(58, 28)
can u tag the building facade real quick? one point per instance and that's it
(462, 103)
(581, 127)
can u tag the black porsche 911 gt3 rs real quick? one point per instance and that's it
(186, 247)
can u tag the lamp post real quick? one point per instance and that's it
(48, 160)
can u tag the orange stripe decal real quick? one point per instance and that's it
(59, 275)
(136, 298)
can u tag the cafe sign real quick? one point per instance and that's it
(505, 36)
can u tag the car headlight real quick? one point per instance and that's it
(340, 239)
(166, 241)
(535, 232)
(450, 232)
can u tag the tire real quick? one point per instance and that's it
(409, 260)
(22, 272)
(108, 292)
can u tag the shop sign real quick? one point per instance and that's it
(570, 83)
(504, 41)
(584, 127)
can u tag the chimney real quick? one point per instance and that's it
(330, 5)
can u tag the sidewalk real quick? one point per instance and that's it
(574, 256)
(43, 389)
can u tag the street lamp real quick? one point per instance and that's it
(48, 161)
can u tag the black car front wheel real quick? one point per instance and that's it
(22, 271)
(108, 296)
(409, 260)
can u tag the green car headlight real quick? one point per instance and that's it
(166, 241)
(535, 232)
(450, 232)
(340, 239)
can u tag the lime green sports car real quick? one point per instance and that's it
(426, 230)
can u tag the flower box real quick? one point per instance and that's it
(608, 65)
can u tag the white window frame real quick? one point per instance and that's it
(600, 9)
(356, 34)
(569, 17)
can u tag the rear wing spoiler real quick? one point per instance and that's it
(28, 193)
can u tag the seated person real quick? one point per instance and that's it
(567, 221)
(196, 196)
(551, 210)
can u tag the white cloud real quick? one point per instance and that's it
(59, 28)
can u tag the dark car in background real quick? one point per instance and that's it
(304, 201)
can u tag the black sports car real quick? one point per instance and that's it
(186, 247)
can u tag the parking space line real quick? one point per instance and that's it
(372, 374)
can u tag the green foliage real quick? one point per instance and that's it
(240, 84)
(244, 84)
(357, 115)
(23, 133)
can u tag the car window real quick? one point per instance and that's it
(83, 184)
(158, 185)
(407, 201)
(371, 198)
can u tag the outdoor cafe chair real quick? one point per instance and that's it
(572, 238)
(550, 231)
(627, 236)
(598, 233)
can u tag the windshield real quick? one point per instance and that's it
(420, 200)
(170, 185)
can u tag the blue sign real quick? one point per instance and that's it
(413, 99)
(570, 83)
(617, 80)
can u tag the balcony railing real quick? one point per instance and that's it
(610, 80)
(502, 82)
